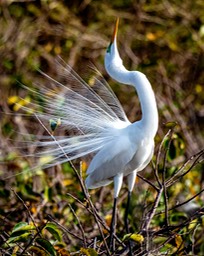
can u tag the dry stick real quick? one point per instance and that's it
(171, 181)
(187, 201)
(170, 133)
(152, 212)
(38, 230)
(161, 245)
(80, 226)
(151, 215)
(65, 229)
(89, 210)
(149, 182)
(165, 242)
(156, 171)
(146, 224)
(99, 218)
(181, 225)
(194, 239)
(29, 213)
(81, 184)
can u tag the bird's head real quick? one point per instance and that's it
(112, 57)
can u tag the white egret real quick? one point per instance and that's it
(132, 144)
(121, 148)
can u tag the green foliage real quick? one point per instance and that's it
(35, 239)
(163, 39)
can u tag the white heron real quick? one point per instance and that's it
(121, 148)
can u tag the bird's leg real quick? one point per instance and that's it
(131, 182)
(118, 179)
(127, 222)
(113, 225)
(126, 213)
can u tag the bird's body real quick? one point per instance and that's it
(126, 152)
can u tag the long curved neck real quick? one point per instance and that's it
(145, 93)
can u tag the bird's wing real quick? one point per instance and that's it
(110, 161)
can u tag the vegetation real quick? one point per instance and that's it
(49, 212)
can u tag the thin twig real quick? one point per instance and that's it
(170, 134)
(175, 178)
(103, 223)
(65, 229)
(181, 225)
(156, 169)
(187, 201)
(146, 224)
(149, 182)
(79, 224)
(29, 213)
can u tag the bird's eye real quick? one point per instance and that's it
(109, 48)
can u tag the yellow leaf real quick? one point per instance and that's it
(150, 36)
(67, 182)
(135, 237)
(192, 224)
(198, 88)
(83, 166)
(179, 241)
(108, 219)
(57, 49)
(173, 46)
(13, 99)
(48, 47)
(21, 103)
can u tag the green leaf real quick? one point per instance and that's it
(21, 238)
(19, 226)
(46, 245)
(54, 230)
(22, 228)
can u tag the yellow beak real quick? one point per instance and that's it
(115, 31)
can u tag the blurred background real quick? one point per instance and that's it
(163, 39)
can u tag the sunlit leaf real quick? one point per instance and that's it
(22, 228)
(179, 242)
(13, 99)
(19, 225)
(135, 237)
(54, 230)
(19, 238)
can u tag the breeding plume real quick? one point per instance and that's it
(120, 148)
